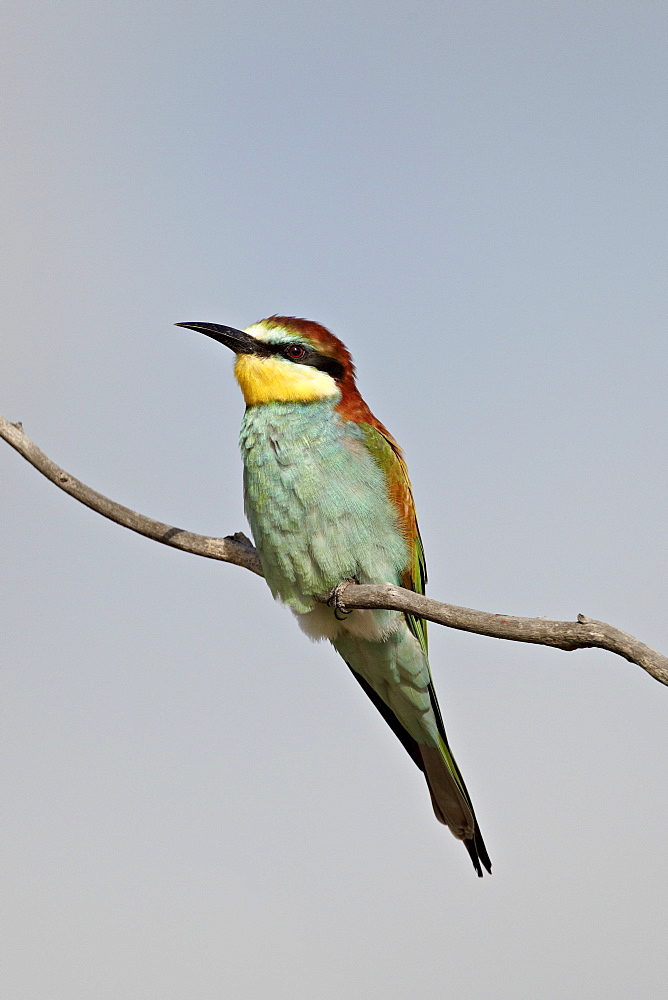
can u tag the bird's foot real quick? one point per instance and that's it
(335, 599)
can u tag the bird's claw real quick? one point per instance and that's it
(335, 599)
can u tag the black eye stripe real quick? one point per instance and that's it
(311, 357)
(329, 365)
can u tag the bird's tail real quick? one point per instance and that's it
(427, 745)
(449, 795)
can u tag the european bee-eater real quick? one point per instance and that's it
(328, 499)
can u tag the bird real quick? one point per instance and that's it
(328, 499)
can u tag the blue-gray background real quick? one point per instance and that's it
(200, 803)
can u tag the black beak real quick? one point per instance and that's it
(236, 340)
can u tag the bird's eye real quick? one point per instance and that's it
(295, 352)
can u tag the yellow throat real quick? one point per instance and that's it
(275, 380)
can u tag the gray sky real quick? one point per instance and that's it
(199, 802)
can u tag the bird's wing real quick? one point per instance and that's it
(387, 454)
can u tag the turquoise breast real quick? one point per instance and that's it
(316, 502)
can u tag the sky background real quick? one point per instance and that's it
(198, 802)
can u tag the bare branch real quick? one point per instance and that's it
(235, 549)
(239, 550)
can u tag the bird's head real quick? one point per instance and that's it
(288, 360)
(285, 359)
